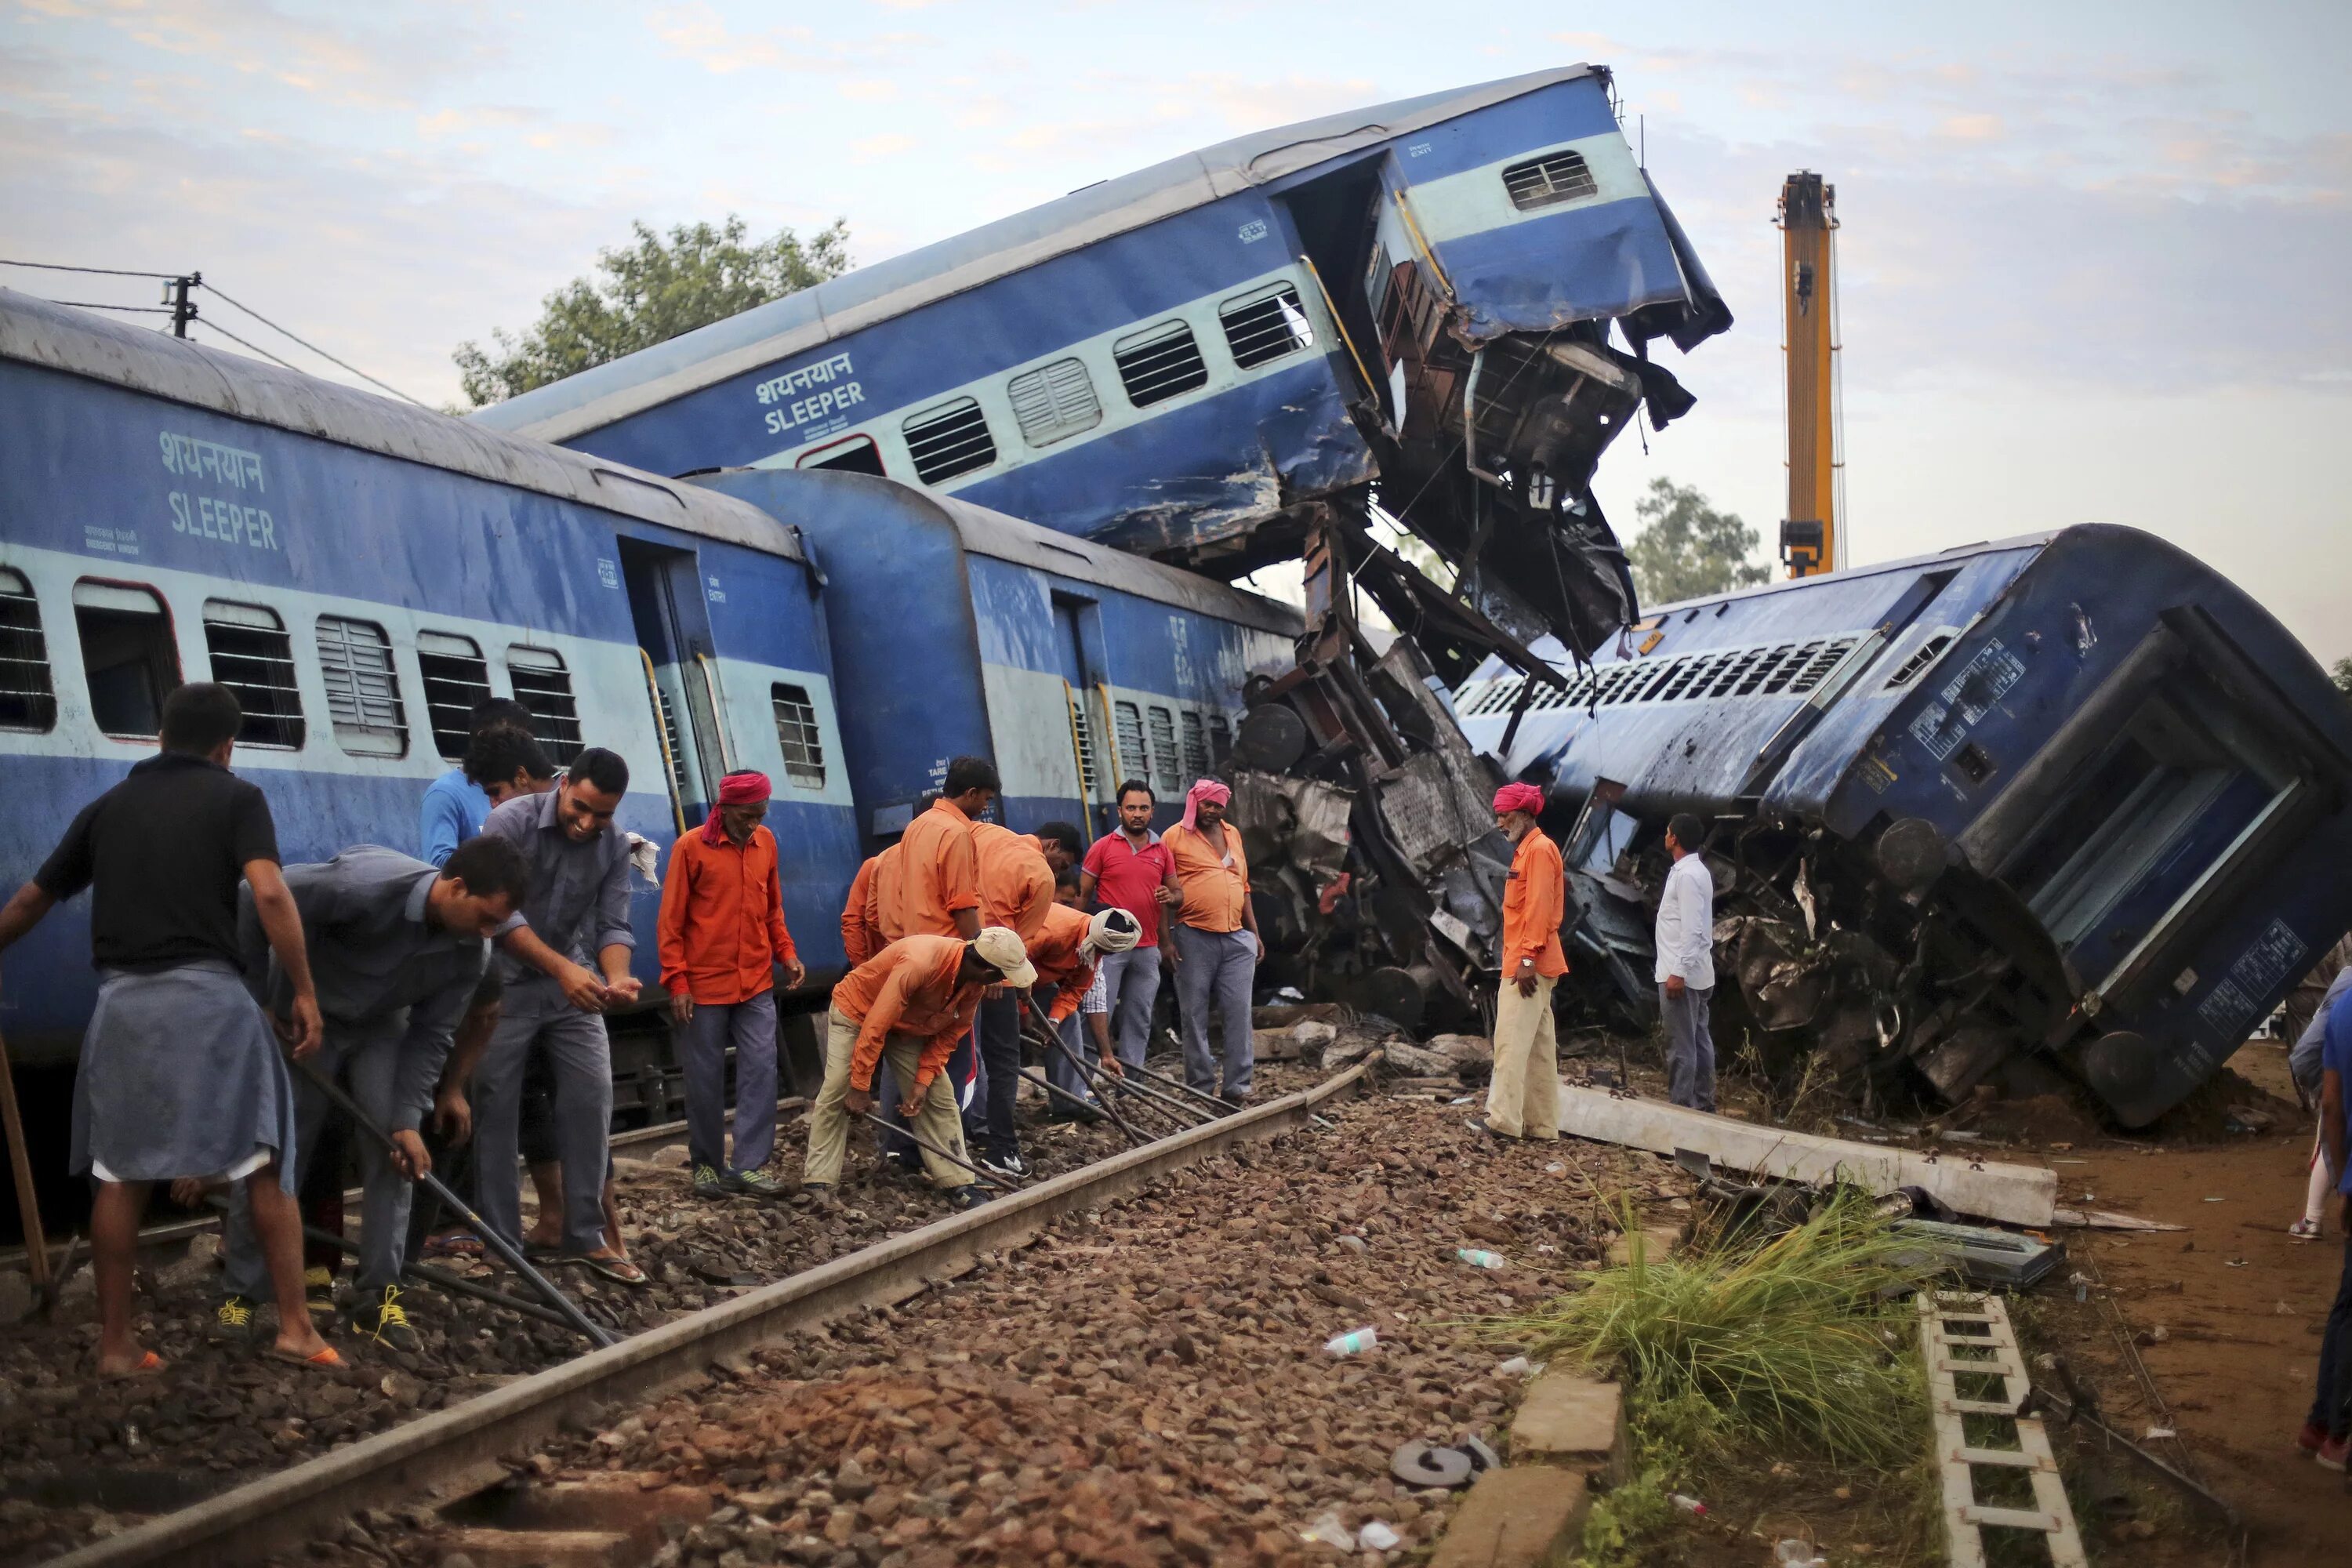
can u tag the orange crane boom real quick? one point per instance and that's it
(1809, 537)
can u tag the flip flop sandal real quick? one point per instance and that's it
(454, 1247)
(148, 1365)
(619, 1270)
(327, 1360)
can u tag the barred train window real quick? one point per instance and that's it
(1265, 324)
(1196, 746)
(363, 687)
(797, 732)
(1082, 736)
(1163, 751)
(1550, 179)
(543, 685)
(253, 657)
(1053, 402)
(128, 654)
(27, 699)
(1134, 756)
(950, 439)
(1158, 363)
(1221, 739)
(457, 676)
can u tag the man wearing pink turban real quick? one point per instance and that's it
(1217, 946)
(1523, 1096)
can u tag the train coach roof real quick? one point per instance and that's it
(77, 343)
(766, 333)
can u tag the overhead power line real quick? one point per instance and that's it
(215, 290)
(98, 305)
(213, 325)
(102, 272)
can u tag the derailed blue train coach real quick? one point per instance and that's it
(2068, 801)
(1196, 361)
(362, 572)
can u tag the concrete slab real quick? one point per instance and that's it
(2014, 1195)
(1569, 1418)
(1521, 1516)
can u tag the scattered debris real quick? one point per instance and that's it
(1967, 1336)
(1352, 1344)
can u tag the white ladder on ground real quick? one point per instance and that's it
(1967, 1335)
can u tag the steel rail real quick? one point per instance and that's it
(457, 1450)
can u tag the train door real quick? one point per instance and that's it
(681, 677)
(1081, 689)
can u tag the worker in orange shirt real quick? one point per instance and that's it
(861, 924)
(1523, 1097)
(1068, 952)
(1217, 945)
(927, 884)
(911, 1005)
(1016, 889)
(723, 938)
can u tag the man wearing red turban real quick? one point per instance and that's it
(723, 939)
(1523, 1096)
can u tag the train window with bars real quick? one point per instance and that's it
(457, 676)
(1196, 745)
(1265, 324)
(1053, 402)
(949, 439)
(1164, 761)
(253, 657)
(363, 687)
(1553, 178)
(28, 700)
(543, 685)
(797, 732)
(1376, 279)
(1767, 661)
(1134, 756)
(1159, 362)
(1928, 653)
(1221, 739)
(1818, 669)
(128, 656)
(1082, 742)
(1788, 669)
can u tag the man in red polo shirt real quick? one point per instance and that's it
(723, 939)
(1127, 870)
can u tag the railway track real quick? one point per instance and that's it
(457, 1450)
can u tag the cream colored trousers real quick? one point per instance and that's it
(829, 1119)
(1523, 1099)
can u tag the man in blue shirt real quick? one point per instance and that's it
(501, 760)
(2325, 1429)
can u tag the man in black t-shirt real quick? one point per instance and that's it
(179, 1075)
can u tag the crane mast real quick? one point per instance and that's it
(1810, 541)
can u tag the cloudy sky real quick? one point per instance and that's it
(2094, 256)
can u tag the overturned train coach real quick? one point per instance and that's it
(2069, 801)
(361, 571)
(1210, 359)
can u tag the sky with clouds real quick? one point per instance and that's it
(2092, 256)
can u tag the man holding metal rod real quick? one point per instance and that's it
(398, 952)
(913, 1003)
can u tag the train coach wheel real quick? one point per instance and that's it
(2121, 1069)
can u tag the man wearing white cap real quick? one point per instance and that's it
(911, 1002)
(1068, 952)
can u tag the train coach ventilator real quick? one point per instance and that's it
(457, 1450)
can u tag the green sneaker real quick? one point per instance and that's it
(232, 1319)
(711, 1182)
(760, 1184)
(386, 1322)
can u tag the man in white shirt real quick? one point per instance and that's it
(1685, 945)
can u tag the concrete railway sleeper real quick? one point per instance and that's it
(457, 1450)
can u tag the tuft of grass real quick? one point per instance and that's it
(1801, 1338)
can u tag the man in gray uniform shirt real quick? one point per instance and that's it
(563, 961)
(398, 952)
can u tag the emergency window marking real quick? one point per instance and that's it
(27, 699)
(1265, 325)
(949, 439)
(543, 685)
(1160, 363)
(1053, 401)
(1163, 751)
(253, 657)
(1134, 756)
(797, 733)
(1552, 178)
(128, 656)
(363, 687)
(457, 676)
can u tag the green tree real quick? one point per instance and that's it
(2343, 674)
(1686, 549)
(649, 291)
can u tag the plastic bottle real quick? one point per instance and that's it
(1350, 1344)
(1687, 1504)
(1477, 1258)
